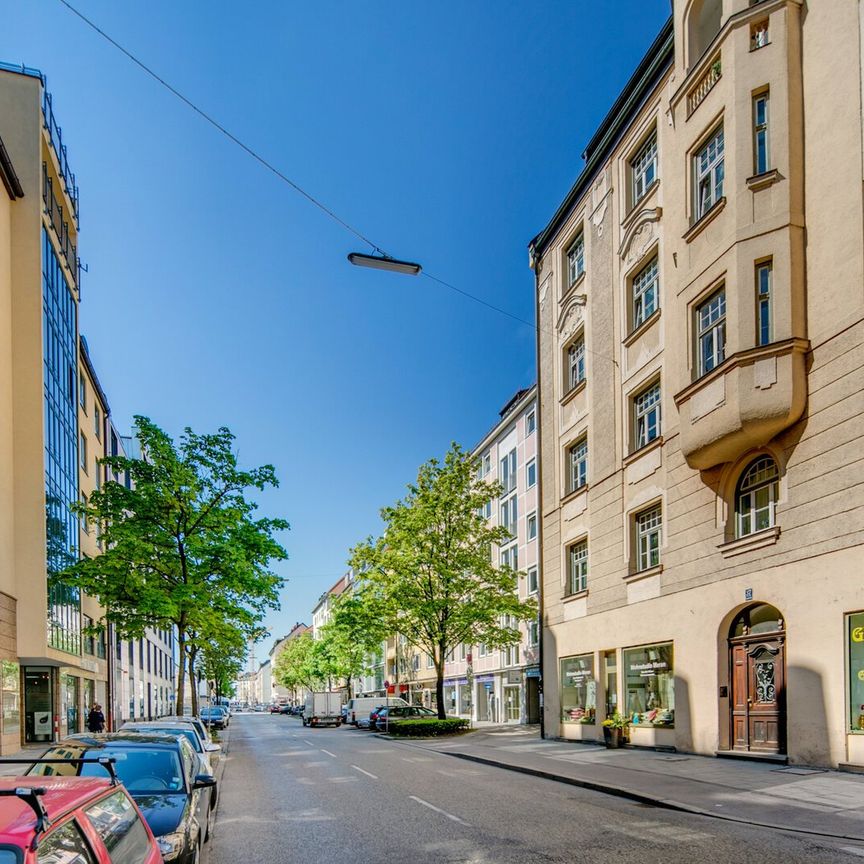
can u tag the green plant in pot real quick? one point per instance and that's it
(615, 730)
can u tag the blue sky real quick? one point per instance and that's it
(446, 132)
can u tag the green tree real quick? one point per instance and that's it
(181, 536)
(355, 630)
(431, 571)
(298, 664)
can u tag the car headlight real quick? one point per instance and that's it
(170, 845)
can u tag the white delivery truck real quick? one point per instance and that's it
(322, 709)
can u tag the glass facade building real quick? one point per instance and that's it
(60, 361)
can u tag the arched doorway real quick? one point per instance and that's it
(757, 673)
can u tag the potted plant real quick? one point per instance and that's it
(615, 730)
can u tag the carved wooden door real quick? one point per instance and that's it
(758, 694)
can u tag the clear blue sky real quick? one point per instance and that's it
(447, 132)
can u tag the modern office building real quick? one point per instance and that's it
(40, 372)
(701, 347)
(492, 685)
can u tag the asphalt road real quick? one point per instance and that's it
(321, 796)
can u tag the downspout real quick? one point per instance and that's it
(533, 263)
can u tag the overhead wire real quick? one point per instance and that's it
(273, 169)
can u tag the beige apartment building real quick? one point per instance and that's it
(700, 299)
(48, 673)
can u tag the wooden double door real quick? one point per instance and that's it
(758, 697)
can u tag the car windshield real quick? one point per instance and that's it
(141, 769)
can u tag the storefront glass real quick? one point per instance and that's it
(578, 689)
(856, 672)
(650, 685)
(11, 683)
(70, 703)
(465, 699)
(512, 699)
(610, 682)
(449, 699)
(38, 705)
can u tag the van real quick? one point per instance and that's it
(359, 709)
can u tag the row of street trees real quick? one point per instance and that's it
(431, 577)
(184, 548)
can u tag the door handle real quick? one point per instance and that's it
(749, 701)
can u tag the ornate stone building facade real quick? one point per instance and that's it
(701, 347)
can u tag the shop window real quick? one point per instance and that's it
(855, 628)
(11, 683)
(756, 497)
(650, 685)
(578, 689)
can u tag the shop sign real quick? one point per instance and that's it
(514, 676)
(532, 672)
(484, 678)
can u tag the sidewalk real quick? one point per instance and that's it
(809, 800)
(33, 751)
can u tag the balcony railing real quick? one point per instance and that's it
(705, 85)
(56, 216)
(55, 133)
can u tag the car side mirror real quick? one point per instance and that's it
(210, 747)
(204, 781)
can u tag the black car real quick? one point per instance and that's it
(216, 717)
(170, 783)
(390, 715)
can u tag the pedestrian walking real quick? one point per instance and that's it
(96, 719)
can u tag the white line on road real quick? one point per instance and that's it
(328, 752)
(308, 742)
(363, 771)
(439, 810)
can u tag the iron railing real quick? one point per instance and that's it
(56, 216)
(55, 134)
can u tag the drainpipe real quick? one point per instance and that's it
(534, 264)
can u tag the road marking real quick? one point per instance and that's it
(308, 742)
(328, 752)
(364, 771)
(439, 810)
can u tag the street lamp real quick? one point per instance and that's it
(384, 262)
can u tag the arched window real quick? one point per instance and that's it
(760, 618)
(756, 497)
(703, 24)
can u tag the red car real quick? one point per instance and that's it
(77, 820)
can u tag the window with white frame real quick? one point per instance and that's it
(761, 160)
(709, 171)
(85, 522)
(510, 557)
(576, 259)
(97, 473)
(644, 167)
(97, 421)
(486, 464)
(429, 661)
(763, 302)
(575, 363)
(82, 391)
(646, 415)
(508, 472)
(756, 497)
(533, 582)
(83, 454)
(577, 567)
(482, 650)
(711, 331)
(531, 473)
(531, 524)
(649, 525)
(645, 293)
(533, 634)
(577, 459)
(463, 650)
(509, 515)
(531, 422)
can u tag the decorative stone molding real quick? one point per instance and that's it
(569, 320)
(600, 193)
(640, 235)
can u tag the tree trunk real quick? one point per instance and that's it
(181, 672)
(192, 682)
(439, 686)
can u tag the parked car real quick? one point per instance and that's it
(275, 709)
(200, 727)
(164, 775)
(177, 727)
(390, 715)
(286, 709)
(214, 716)
(87, 818)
